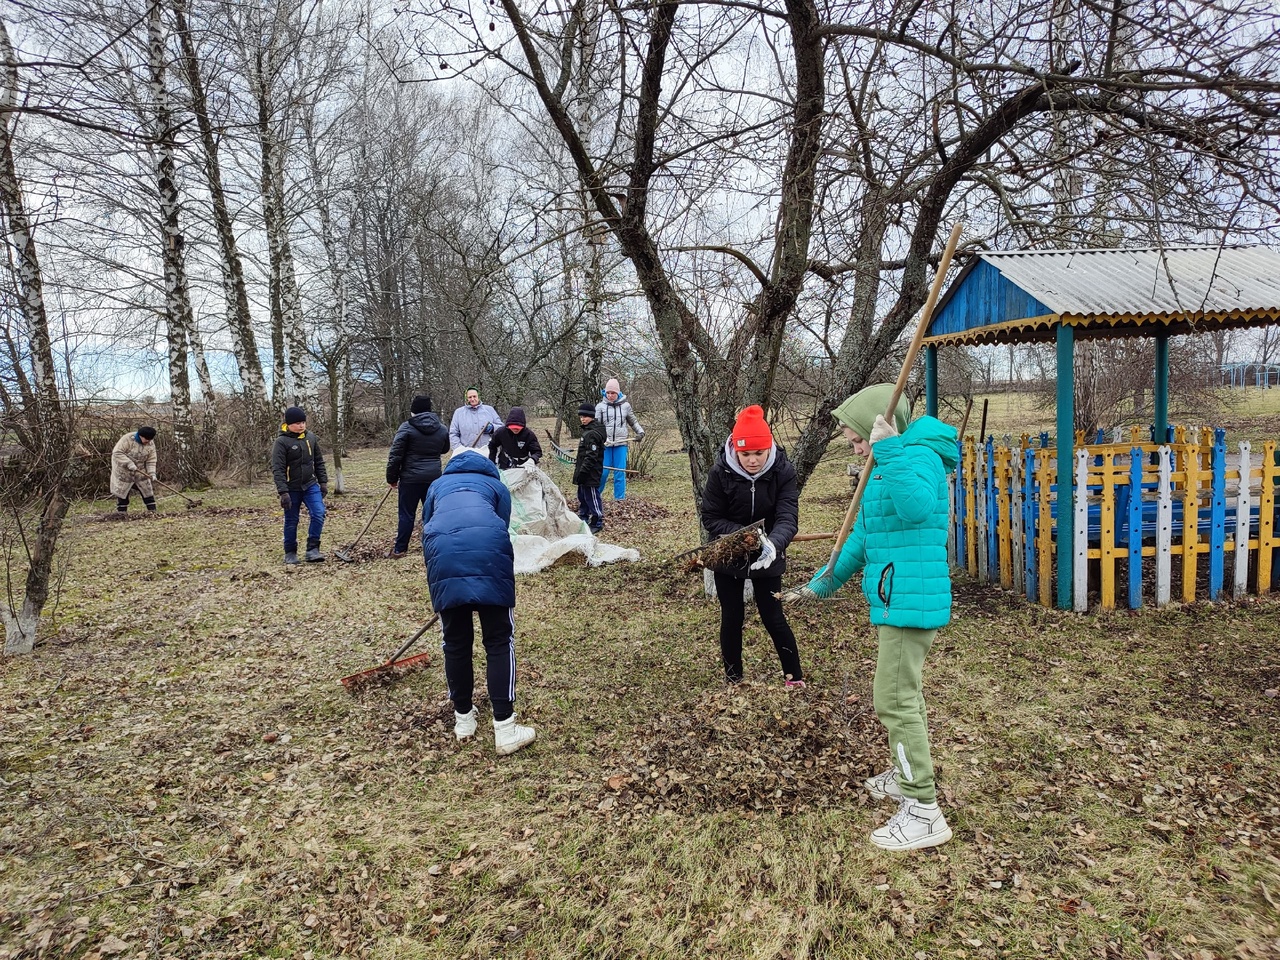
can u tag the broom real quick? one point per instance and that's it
(925, 316)
(394, 668)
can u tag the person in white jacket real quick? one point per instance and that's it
(472, 424)
(615, 413)
(133, 466)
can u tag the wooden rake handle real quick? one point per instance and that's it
(412, 640)
(369, 523)
(908, 361)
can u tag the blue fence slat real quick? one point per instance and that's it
(993, 511)
(1135, 528)
(1218, 513)
(962, 533)
(1030, 513)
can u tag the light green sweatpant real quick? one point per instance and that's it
(899, 702)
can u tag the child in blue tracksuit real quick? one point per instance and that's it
(471, 572)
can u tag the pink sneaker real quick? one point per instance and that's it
(794, 685)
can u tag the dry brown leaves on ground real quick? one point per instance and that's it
(749, 747)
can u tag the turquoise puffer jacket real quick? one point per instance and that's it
(899, 541)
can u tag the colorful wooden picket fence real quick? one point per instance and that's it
(1005, 518)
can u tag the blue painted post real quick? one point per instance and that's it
(1030, 512)
(962, 534)
(993, 511)
(1044, 440)
(1162, 384)
(1136, 459)
(931, 381)
(1218, 513)
(1066, 461)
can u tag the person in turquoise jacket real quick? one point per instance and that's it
(899, 544)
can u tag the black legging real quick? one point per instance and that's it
(733, 612)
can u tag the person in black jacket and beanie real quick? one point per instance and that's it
(413, 462)
(751, 481)
(514, 444)
(297, 466)
(588, 466)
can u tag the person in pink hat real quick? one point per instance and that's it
(616, 416)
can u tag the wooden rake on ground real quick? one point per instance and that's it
(394, 668)
(191, 504)
(345, 553)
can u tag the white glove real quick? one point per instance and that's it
(880, 429)
(529, 466)
(768, 554)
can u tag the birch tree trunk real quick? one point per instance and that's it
(261, 64)
(239, 322)
(177, 301)
(47, 429)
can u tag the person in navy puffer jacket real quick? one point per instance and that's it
(413, 464)
(471, 570)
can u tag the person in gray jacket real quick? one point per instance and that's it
(616, 415)
(472, 422)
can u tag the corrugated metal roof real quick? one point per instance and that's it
(1174, 281)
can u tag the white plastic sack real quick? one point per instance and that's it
(543, 529)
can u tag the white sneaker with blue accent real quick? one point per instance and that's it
(916, 825)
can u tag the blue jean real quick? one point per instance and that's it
(615, 461)
(315, 510)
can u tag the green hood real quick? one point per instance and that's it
(937, 436)
(859, 412)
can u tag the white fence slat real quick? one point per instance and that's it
(1080, 541)
(1164, 529)
(1243, 505)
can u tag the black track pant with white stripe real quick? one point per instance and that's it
(498, 634)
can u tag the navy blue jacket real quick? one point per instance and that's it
(464, 536)
(415, 452)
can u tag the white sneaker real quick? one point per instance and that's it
(914, 826)
(883, 785)
(464, 724)
(509, 736)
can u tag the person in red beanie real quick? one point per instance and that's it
(751, 481)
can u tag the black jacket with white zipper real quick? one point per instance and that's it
(733, 499)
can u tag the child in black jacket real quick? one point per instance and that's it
(514, 445)
(589, 466)
(753, 481)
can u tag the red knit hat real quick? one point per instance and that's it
(751, 432)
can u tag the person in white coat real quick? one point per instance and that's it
(473, 424)
(133, 465)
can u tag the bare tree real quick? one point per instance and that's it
(43, 426)
(852, 132)
(179, 319)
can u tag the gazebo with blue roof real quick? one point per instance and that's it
(1029, 296)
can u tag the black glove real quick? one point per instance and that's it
(324, 490)
(286, 502)
(488, 428)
